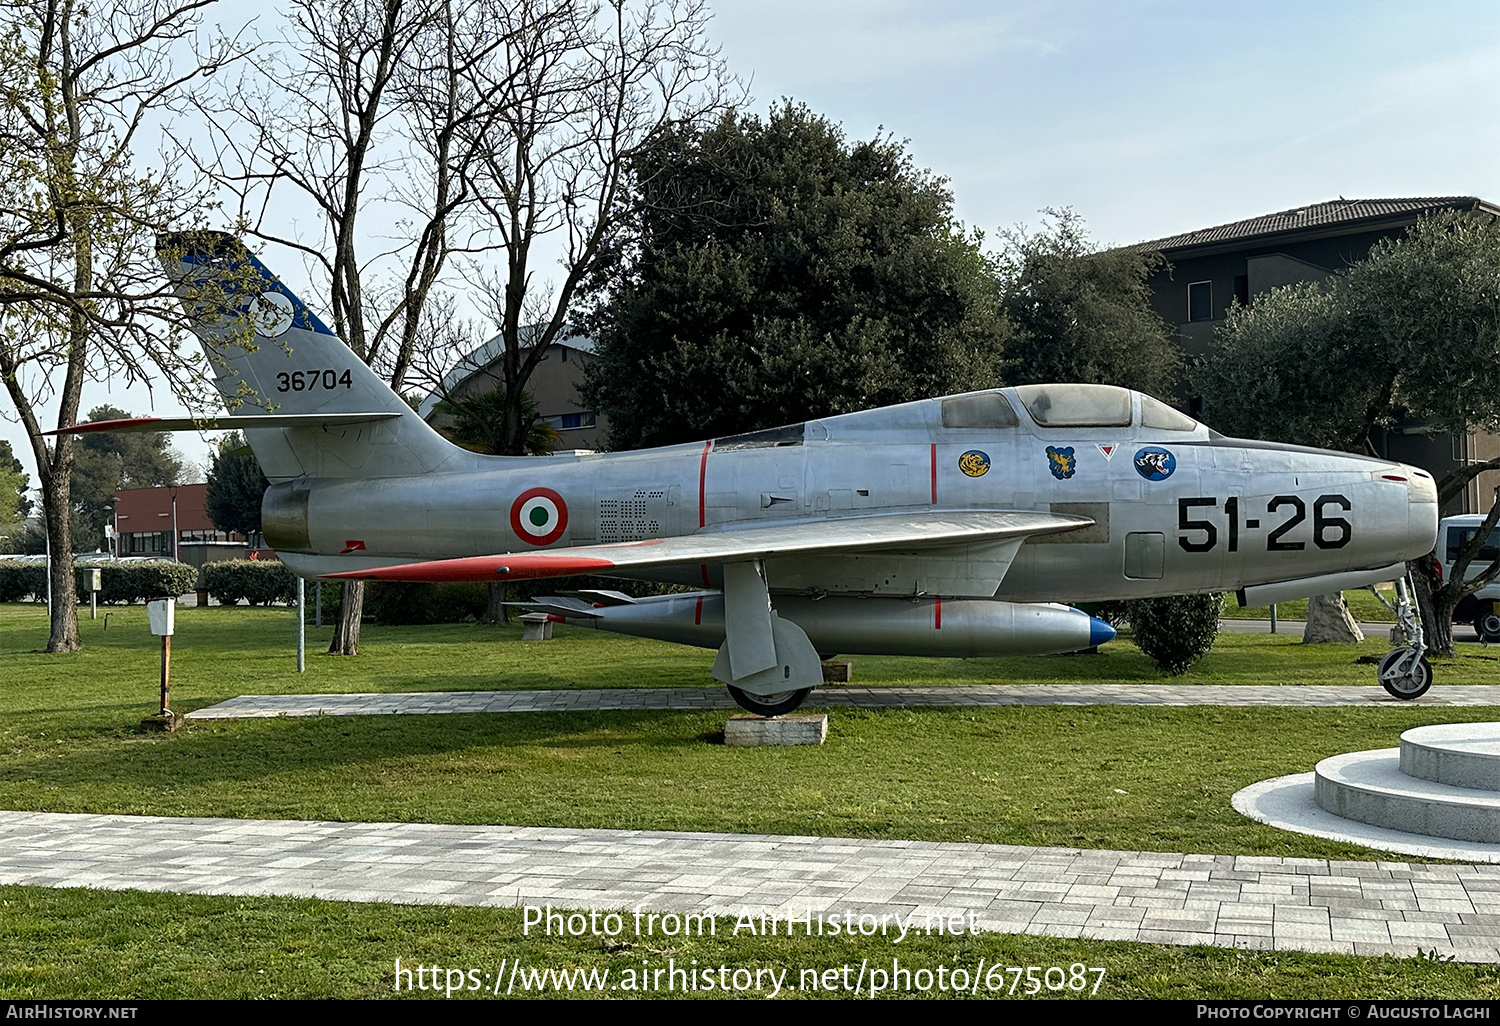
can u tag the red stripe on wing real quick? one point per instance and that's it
(518, 567)
(104, 425)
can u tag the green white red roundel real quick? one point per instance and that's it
(539, 516)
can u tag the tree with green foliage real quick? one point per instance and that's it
(1412, 333)
(767, 271)
(1080, 313)
(82, 296)
(15, 505)
(107, 461)
(236, 486)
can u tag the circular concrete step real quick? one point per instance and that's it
(1459, 754)
(1369, 787)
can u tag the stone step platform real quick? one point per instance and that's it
(1444, 781)
(1460, 754)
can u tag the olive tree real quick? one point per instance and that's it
(1411, 332)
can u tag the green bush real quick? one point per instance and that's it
(21, 580)
(258, 581)
(1176, 631)
(125, 581)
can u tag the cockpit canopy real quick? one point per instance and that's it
(1062, 406)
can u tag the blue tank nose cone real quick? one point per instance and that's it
(1099, 632)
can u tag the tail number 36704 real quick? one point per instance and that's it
(1198, 527)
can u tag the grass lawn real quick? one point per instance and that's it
(1100, 777)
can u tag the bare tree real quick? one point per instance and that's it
(367, 103)
(587, 86)
(81, 292)
(478, 127)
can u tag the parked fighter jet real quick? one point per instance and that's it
(945, 527)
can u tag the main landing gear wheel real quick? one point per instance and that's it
(778, 704)
(1404, 677)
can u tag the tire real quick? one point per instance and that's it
(1414, 684)
(1487, 624)
(778, 704)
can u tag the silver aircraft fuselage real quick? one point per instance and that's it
(1174, 512)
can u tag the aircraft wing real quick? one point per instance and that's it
(904, 532)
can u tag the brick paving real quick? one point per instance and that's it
(1362, 908)
(837, 696)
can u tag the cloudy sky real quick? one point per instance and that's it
(1148, 118)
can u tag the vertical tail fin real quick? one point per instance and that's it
(271, 354)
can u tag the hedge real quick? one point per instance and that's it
(258, 581)
(125, 581)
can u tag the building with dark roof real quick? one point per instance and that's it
(1213, 267)
(554, 385)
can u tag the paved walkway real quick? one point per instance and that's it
(836, 696)
(1284, 904)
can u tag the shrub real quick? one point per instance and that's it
(258, 581)
(124, 581)
(1176, 631)
(19, 580)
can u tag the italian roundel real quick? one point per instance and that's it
(539, 516)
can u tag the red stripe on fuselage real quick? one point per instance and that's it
(698, 612)
(702, 477)
(937, 615)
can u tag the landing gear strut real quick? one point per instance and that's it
(1405, 672)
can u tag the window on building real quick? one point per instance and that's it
(1201, 301)
(566, 421)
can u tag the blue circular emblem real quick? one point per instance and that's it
(1155, 463)
(974, 463)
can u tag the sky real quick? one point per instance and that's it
(1147, 118)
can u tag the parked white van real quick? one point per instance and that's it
(1482, 608)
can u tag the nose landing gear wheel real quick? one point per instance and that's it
(1488, 626)
(1404, 677)
(778, 704)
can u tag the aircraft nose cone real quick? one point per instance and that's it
(1422, 512)
(1099, 632)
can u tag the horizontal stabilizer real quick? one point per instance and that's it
(897, 531)
(563, 607)
(225, 422)
(600, 596)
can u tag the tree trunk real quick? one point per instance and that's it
(64, 611)
(351, 615)
(1329, 622)
(497, 611)
(1437, 622)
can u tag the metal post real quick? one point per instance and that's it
(166, 674)
(301, 625)
(318, 601)
(1273, 618)
(176, 556)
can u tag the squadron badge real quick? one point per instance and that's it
(974, 463)
(1154, 463)
(1062, 462)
